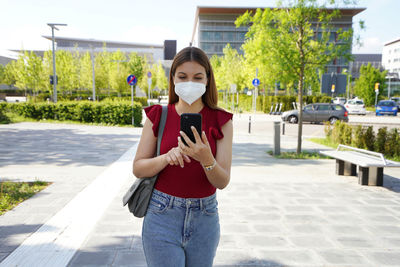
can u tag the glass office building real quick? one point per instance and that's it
(214, 28)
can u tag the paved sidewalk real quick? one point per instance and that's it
(273, 213)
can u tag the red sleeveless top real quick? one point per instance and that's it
(191, 180)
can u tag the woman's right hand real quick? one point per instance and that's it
(176, 157)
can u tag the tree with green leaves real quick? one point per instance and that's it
(364, 86)
(2, 70)
(161, 80)
(291, 42)
(85, 71)
(118, 72)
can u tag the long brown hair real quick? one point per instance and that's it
(191, 53)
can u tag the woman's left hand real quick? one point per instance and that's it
(200, 151)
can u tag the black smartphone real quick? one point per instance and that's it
(188, 120)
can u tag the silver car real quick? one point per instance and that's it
(318, 112)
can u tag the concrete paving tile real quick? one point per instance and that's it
(129, 258)
(333, 209)
(233, 228)
(374, 209)
(288, 257)
(355, 242)
(3, 256)
(304, 218)
(384, 258)
(345, 229)
(343, 257)
(235, 258)
(269, 228)
(390, 242)
(106, 243)
(344, 218)
(381, 219)
(306, 228)
(311, 241)
(263, 217)
(299, 209)
(264, 241)
(136, 243)
(88, 258)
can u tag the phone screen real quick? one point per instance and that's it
(188, 120)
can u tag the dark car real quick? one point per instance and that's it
(318, 112)
(386, 107)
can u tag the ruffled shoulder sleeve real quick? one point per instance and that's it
(222, 118)
(153, 113)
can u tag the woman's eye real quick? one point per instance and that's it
(198, 78)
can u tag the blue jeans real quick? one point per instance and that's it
(180, 232)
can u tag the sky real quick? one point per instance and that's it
(24, 22)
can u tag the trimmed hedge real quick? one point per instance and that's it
(384, 141)
(3, 117)
(108, 112)
(264, 103)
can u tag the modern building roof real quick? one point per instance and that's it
(392, 42)
(241, 10)
(368, 57)
(101, 42)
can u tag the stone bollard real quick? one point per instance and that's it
(277, 138)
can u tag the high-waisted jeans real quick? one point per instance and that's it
(180, 232)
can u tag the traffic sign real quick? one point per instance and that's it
(131, 80)
(149, 74)
(256, 82)
(233, 88)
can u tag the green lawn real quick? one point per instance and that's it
(13, 193)
(303, 155)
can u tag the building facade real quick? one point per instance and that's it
(214, 28)
(364, 59)
(391, 56)
(153, 52)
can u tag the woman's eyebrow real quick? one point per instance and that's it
(199, 73)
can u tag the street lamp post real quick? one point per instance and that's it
(53, 26)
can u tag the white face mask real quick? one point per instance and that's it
(190, 91)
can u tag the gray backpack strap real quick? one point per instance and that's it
(161, 126)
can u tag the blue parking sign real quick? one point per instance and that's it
(131, 80)
(256, 82)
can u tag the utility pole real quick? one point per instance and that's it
(55, 80)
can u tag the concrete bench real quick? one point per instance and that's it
(370, 164)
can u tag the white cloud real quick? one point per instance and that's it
(371, 45)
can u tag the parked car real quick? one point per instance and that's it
(386, 107)
(355, 106)
(318, 112)
(397, 100)
(339, 100)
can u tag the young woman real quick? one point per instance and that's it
(181, 226)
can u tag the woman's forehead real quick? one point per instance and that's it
(190, 67)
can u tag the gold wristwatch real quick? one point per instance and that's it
(210, 167)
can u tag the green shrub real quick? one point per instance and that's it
(369, 139)
(108, 112)
(347, 134)
(392, 145)
(358, 134)
(3, 117)
(381, 140)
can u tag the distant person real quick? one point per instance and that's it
(181, 227)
